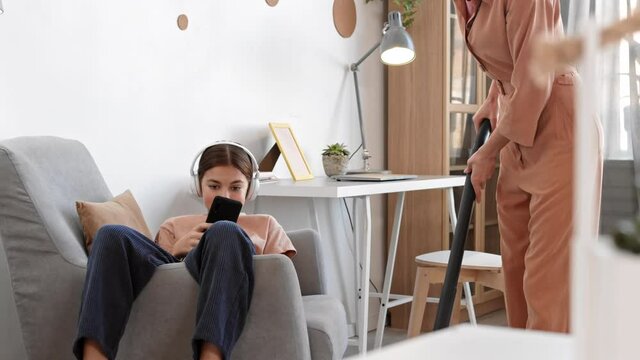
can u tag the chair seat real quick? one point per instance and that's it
(471, 260)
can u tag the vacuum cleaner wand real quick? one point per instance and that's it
(448, 294)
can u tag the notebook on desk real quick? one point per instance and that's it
(373, 177)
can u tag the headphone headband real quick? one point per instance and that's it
(254, 183)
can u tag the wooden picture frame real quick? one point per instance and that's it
(291, 151)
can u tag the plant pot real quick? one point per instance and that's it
(335, 164)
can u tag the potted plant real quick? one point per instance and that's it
(335, 159)
(409, 9)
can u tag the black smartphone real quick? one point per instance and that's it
(224, 208)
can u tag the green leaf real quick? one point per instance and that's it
(409, 8)
(336, 149)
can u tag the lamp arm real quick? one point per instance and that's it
(354, 66)
(354, 69)
(365, 151)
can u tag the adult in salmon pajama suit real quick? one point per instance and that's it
(533, 133)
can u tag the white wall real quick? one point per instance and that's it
(144, 96)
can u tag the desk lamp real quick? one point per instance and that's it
(396, 48)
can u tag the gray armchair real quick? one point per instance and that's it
(42, 268)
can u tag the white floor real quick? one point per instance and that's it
(391, 336)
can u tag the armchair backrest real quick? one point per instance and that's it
(40, 180)
(41, 236)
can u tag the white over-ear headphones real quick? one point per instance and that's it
(254, 184)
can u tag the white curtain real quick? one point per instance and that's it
(618, 70)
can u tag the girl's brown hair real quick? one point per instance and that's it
(225, 155)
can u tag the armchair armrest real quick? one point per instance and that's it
(308, 261)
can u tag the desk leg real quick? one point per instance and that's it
(358, 269)
(363, 296)
(388, 275)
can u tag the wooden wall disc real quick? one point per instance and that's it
(183, 22)
(344, 17)
(272, 2)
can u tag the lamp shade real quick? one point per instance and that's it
(396, 47)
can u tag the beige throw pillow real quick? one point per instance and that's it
(121, 210)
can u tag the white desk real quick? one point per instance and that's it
(322, 187)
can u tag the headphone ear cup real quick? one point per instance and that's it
(193, 172)
(195, 188)
(252, 193)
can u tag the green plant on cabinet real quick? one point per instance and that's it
(409, 9)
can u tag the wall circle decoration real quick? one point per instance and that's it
(183, 22)
(344, 17)
(272, 2)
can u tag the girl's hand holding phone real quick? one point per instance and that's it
(190, 240)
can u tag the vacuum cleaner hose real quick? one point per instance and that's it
(448, 294)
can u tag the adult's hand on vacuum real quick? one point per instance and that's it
(481, 165)
(189, 240)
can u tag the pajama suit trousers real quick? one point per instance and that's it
(535, 213)
(122, 262)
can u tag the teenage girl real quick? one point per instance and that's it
(218, 257)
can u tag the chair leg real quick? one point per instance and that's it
(455, 317)
(420, 293)
(469, 301)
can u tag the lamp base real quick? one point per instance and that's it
(370, 171)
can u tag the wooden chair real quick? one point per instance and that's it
(477, 267)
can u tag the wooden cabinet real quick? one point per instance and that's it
(430, 105)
